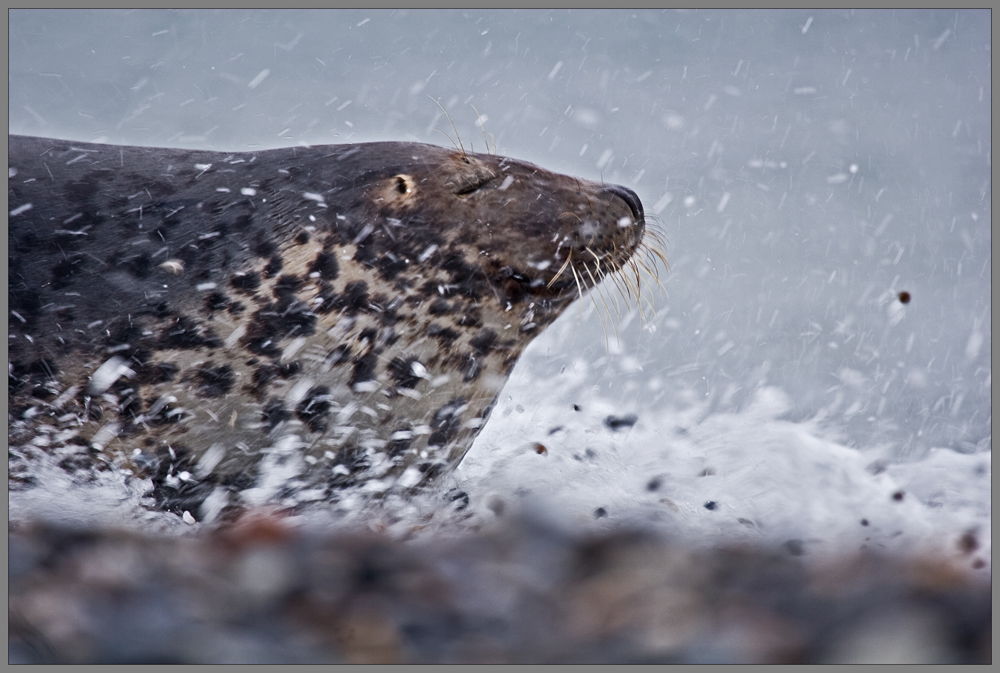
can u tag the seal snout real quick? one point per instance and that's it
(629, 197)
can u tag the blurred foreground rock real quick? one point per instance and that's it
(261, 590)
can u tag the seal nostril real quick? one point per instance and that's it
(629, 197)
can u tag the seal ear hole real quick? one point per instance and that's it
(404, 185)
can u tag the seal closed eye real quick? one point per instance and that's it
(348, 312)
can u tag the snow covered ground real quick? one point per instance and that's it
(804, 169)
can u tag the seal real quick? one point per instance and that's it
(343, 316)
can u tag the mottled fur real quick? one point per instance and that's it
(349, 312)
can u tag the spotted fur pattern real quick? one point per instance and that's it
(345, 313)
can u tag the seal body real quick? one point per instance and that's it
(341, 315)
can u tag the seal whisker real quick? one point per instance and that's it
(654, 254)
(600, 276)
(613, 279)
(449, 139)
(594, 290)
(618, 278)
(639, 279)
(614, 303)
(461, 147)
(651, 270)
(630, 284)
(562, 268)
(479, 117)
(579, 288)
(597, 289)
(655, 249)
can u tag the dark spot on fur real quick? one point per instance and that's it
(302, 237)
(431, 470)
(129, 407)
(184, 333)
(364, 368)
(140, 266)
(173, 494)
(78, 462)
(263, 376)
(327, 298)
(471, 368)
(286, 285)
(43, 367)
(515, 285)
(124, 332)
(443, 334)
(401, 371)
(469, 279)
(274, 412)
(484, 341)
(264, 247)
(274, 322)
(390, 265)
(266, 373)
(446, 423)
(367, 337)
(274, 267)
(325, 265)
(216, 301)
(440, 307)
(387, 311)
(430, 289)
(159, 373)
(398, 447)
(215, 381)
(354, 298)
(314, 408)
(289, 369)
(247, 283)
